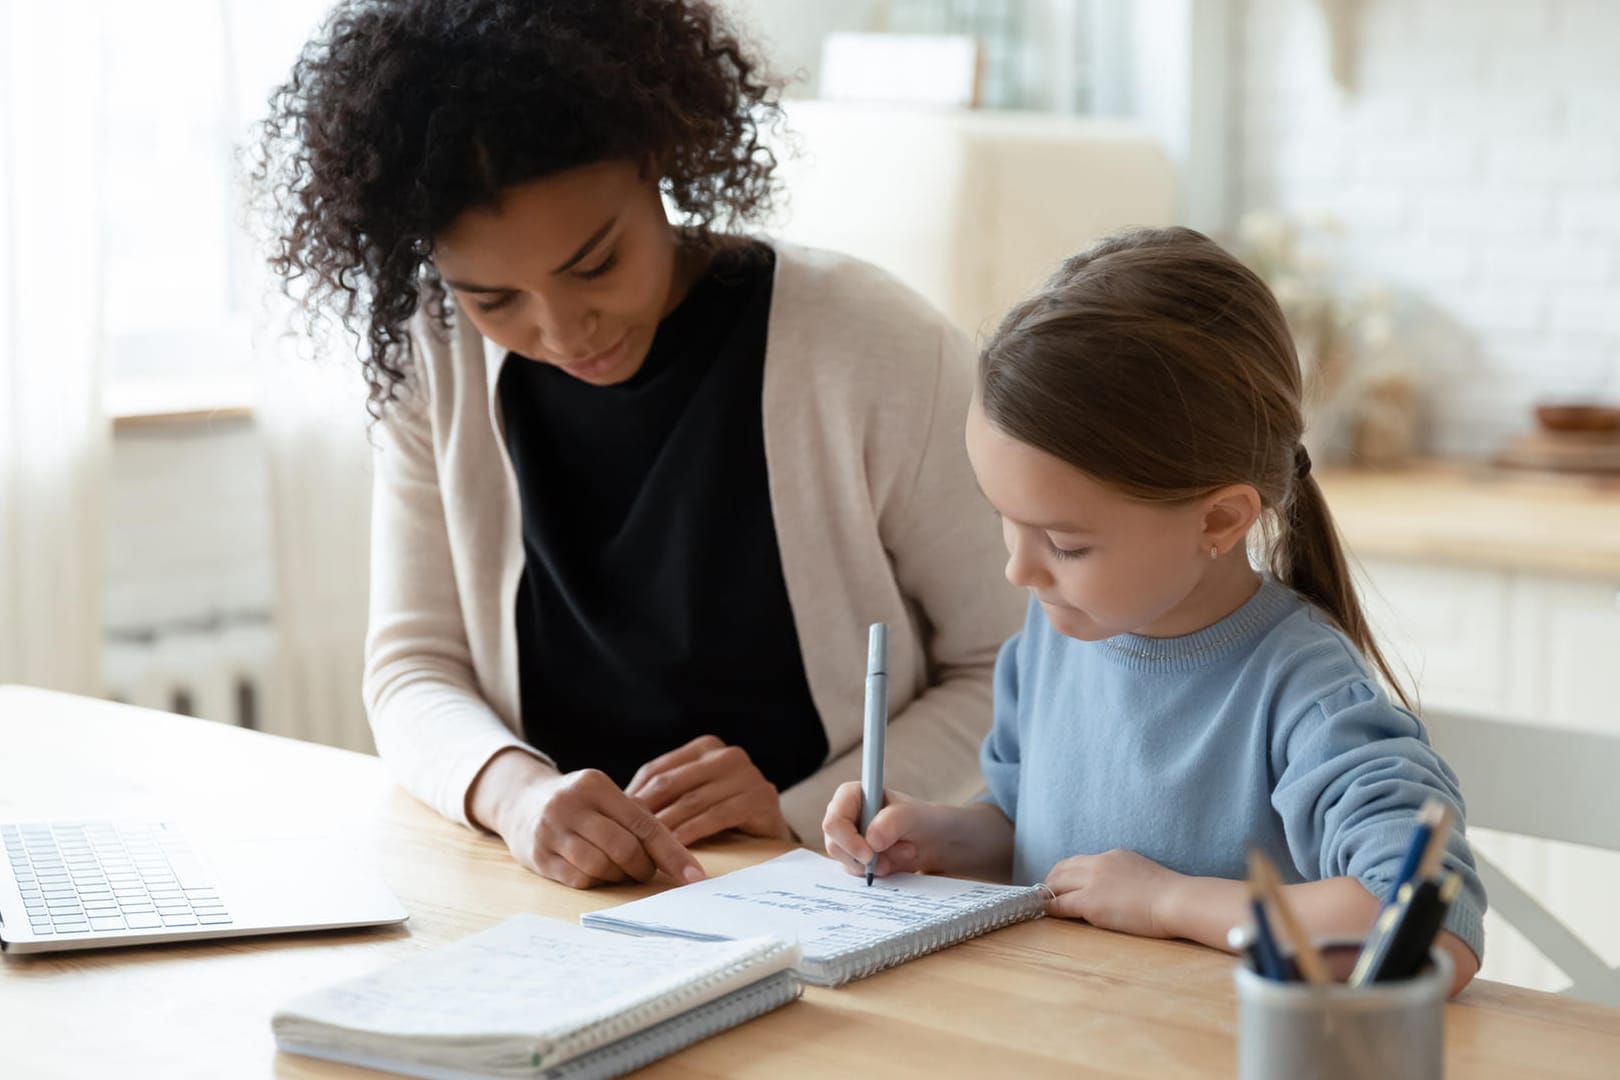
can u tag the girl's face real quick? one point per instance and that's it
(1100, 563)
(574, 270)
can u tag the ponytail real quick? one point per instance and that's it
(1308, 556)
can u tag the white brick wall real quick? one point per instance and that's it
(1476, 168)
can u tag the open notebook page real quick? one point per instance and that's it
(537, 980)
(805, 897)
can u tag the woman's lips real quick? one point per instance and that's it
(599, 363)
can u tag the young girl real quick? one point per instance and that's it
(642, 483)
(1165, 706)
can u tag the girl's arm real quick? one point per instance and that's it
(1203, 909)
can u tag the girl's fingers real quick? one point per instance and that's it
(1069, 905)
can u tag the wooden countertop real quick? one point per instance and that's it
(1556, 524)
(1045, 998)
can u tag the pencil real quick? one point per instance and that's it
(1264, 874)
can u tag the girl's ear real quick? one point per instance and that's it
(1229, 512)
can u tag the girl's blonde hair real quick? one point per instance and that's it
(1158, 364)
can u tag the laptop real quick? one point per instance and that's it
(75, 884)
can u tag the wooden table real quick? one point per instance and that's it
(1047, 998)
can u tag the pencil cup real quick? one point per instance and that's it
(1389, 1031)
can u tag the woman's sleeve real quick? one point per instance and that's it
(433, 728)
(947, 556)
(1354, 769)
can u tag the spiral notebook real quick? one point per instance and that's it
(846, 929)
(537, 997)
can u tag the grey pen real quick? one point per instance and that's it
(877, 727)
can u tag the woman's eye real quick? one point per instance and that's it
(601, 268)
(487, 306)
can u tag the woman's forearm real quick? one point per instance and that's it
(498, 784)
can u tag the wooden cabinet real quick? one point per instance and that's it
(1507, 644)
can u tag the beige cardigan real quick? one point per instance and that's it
(877, 518)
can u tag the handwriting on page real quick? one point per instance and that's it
(892, 907)
(807, 897)
(526, 976)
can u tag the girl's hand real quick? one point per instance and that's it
(707, 787)
(1117, 890)
(907, 835)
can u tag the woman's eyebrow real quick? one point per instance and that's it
(464, 286)
(585, 248)
(573, 260)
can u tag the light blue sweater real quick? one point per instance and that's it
(1264, 729)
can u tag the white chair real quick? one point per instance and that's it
(1539, 782)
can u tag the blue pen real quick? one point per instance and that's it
(1266, 954)
(877, 727)
(1434, 815)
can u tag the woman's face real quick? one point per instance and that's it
(574, 270)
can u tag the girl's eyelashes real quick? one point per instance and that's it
(1067, 553)
(600, 268)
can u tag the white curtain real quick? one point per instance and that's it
(311, 413)
(313, 418)
(53, 438)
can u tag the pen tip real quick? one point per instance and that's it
(869, 878)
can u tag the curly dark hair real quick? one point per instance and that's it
(401, 114)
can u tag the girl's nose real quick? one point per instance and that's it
(1024, 570)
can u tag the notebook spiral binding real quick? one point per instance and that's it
(682, 1031)
(608, 1028)
(935, 936)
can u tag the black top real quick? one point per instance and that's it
(652, 608)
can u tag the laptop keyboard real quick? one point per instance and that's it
(88, 876)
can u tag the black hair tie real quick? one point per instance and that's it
(1302, 461)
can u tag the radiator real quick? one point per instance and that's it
(228, 669)
(214, 669)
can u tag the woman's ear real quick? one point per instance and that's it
(1229, 513)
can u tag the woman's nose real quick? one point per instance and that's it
(567, 331)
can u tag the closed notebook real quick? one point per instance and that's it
(537, 997)
(846, 929)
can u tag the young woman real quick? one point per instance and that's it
(641, 484)
(1166, 707)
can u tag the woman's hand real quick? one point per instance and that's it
(707, 787)
(1117, 890)
(577, 828)
(910, 836)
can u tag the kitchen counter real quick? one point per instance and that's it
(1474, 515)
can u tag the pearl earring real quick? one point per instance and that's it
(1214, 553)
